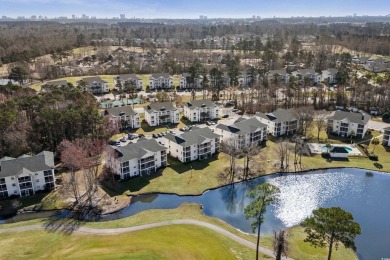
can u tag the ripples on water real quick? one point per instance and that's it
(301, 194)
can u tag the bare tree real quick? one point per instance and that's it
(229, 147)
(305, 117)
(320, 123)
(281, 151)
(249, 152)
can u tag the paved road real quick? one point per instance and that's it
(112, 231)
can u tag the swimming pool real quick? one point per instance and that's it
(325, 149)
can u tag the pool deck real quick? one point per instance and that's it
(316, 148)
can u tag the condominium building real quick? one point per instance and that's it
(280, 122)
(125, 79)
(160, 81)
(161, 113)
(243, 132)
(25, 175)
(345, 123)
(197, 144)
(95, 85)
(201, 110)
(136, 159)
(123, 117)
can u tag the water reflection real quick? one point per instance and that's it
(351, 189)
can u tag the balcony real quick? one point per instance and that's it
(26, 185)
(147, 166)
(147, 160)
(203, 151)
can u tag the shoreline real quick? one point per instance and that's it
(130, 196)
(249, 179)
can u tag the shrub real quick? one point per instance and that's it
(373, 157)
(386, 117)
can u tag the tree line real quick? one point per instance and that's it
(31, 122)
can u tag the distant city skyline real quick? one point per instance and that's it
(191, 9)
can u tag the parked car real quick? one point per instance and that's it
(112, 143)
(225, 116)
(159, 135)
(118, 143)
(163, 133)
(123, 139)
(131, 137)
(208, 123)
(141, 135)
(155, 136)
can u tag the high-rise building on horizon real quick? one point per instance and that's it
(123, 16)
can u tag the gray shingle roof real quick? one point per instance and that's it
(26, 164)
(200, 103)
(159, 75)
(279, 115)
(243, 126)
(89, 80)
(332, 71)
(160, 106)
(279, 72)
(127, 77)
(57, 83)
(116, 111)
(195, 136)
(353, 117)
(138, 150)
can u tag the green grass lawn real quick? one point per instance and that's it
(178, 178)
(35, 241)
(171, 242)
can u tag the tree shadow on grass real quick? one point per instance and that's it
(74, 217)
(114, 188)
(180, 167)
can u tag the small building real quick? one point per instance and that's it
(338, 152)
(386, 137)
(123, 117)
(57, 83)
(197, 144)
(344, 123)
(280, 122)
(185, 84)
(95, 85)
(313, 76)
(330, 75)
(136, 159)
(161, 113)
(160, 81)
(128, 78)
(243, 132)
(281, 75)
(201, 110)
(25, 175)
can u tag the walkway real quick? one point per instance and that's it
(111, 231)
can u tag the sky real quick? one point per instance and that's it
(193, 8)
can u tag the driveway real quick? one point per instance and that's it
(378, 126)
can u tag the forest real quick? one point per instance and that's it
(32, 122)
(23, 42)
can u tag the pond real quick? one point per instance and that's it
(366, 196)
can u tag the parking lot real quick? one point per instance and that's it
(224, 111)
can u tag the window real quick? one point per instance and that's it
(36, 180)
